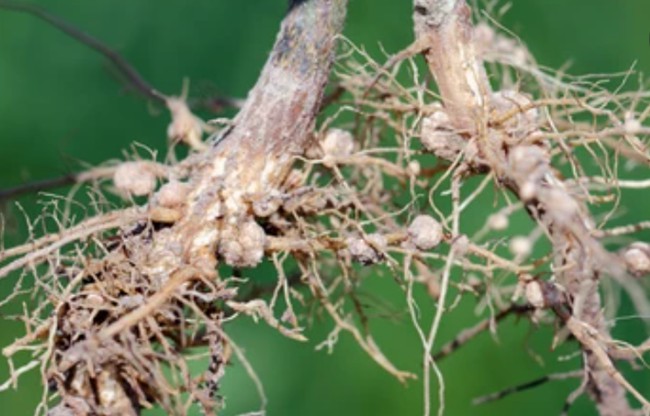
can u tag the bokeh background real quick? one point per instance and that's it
(60, 107)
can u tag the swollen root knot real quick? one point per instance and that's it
(498, 221)
(637, 259)
(134, 179)
(425, 233)
(525, 119)
(439, 137)
(172, 194)
(535, 294)
(521, 246)
(369, 250)
(337, 143)
(267, 205)
(538, 293)
(242, 245)
(529, 165)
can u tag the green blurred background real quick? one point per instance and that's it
(60, 106)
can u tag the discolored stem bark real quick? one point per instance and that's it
(273, 126)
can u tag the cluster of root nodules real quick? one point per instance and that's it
(389, 187)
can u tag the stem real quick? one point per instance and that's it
(274, 125)
(444, 29)
(444, 26)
